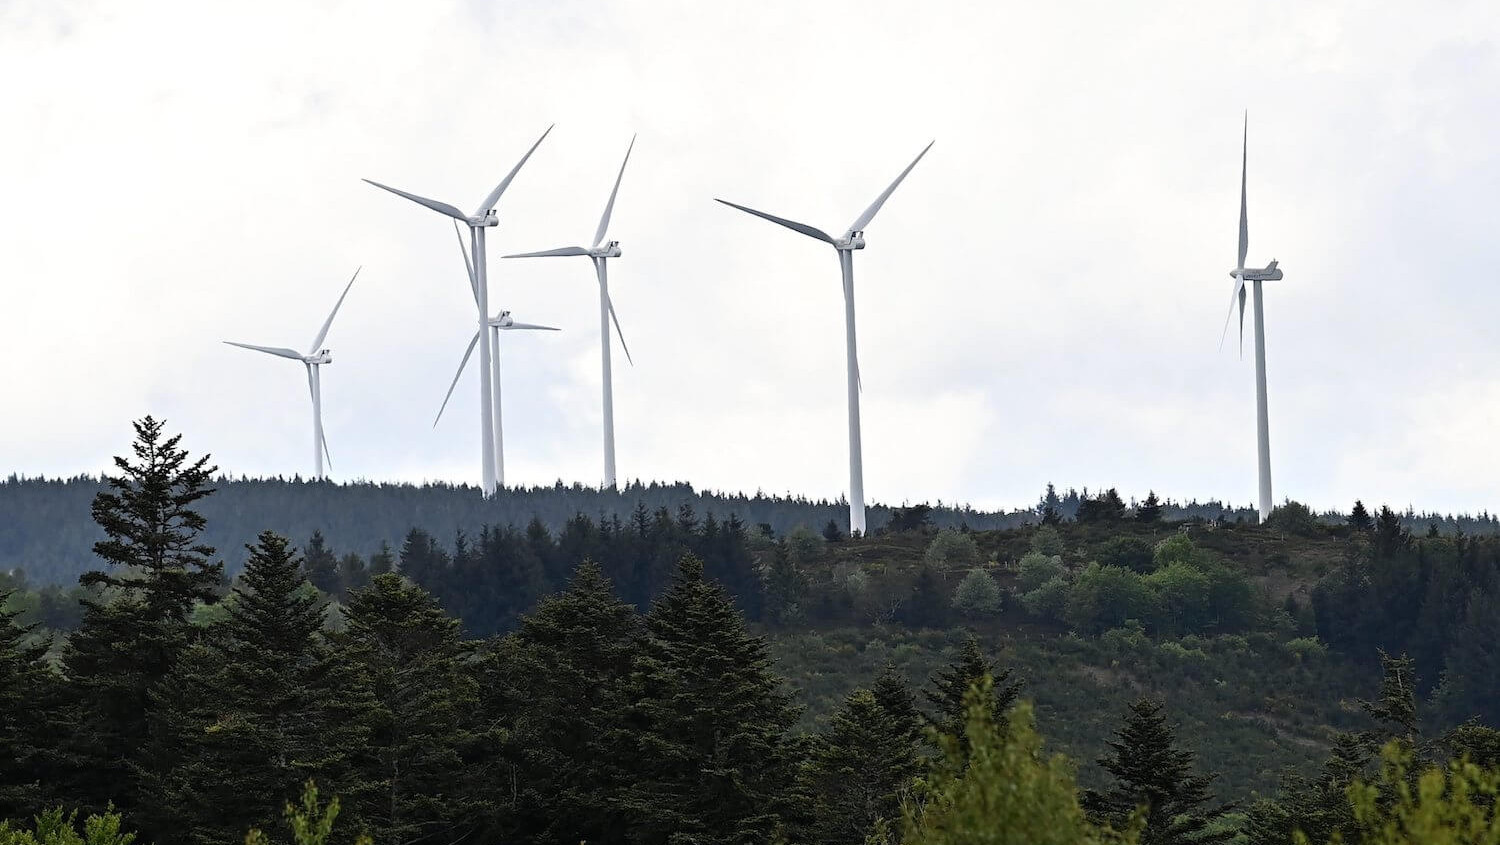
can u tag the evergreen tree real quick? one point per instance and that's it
(1359, 518)
(894, 696)
(785, 587)
(928, 605)
(859, 771)
(382, 561)
(124, 647)
(554, 684)
(1314, 806)
(353, 574)
(1147, 769)
(252, 712)
(28, 690)
(707, 726)
(1149, 510)
(1390, 535)
(833, 533)
(1470, 685)
(417, 703)
(951, 684)
(1050, 507)
(321, 564)
(1395, 711)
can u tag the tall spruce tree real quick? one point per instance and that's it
(124, 647)
(859, 770)
(894, 696)
(417, 706)
(554, 687)
(252, 712)
(707, 726)
(321, 564)
(1147, 769)
(1314, 806)
(1150, 509)
(28, 694)
(952, 683)
(1359, 517)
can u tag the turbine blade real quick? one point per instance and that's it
(456, 376)
(440, 207)
(610, 207)
(790, 224)
(494, 197)
(323, 332)
(532, 326)
(468, 265)
(324, 434)
(273, 350)
(864, 219)
(1242, 318)
(612, 316)
(562, 250)
(1244, 210)
(1234, 294)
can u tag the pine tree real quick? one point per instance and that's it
(894, 696)
(952, 683)
(124, 647)
(28, 692)
(555, 685)
(248, 715)
(859, 771)
(1359, 518)
(1470, 685)
(382, 561)
(1390, 535)
(1050, 507)
(1395, 711)
(417, 704)
(321, 564)
(1149, 510)
(785, 587)
(1147, 769)
(707, 726)
(928, 605)
(833, 533)
(1314, 806)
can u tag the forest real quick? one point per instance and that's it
(1095, 671)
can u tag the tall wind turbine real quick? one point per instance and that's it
(497, 324)
(1242, 274)
(478, 222)
(316, 357)
(600, 256)
(846, 244)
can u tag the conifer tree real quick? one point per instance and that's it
(28, 690)
(894, 696)
(785, 587)
(252, 712)
(1146, 768)
(1470, 687)
(1149, 510)
(951, 684)
(1359, 518)
(554, 684)
(124, 647)
(416, 709)
(1050, 507)
(859, 771)
(1390, 535)
(321, 564)
(707, 726)
(382, 561)
(1314, 806)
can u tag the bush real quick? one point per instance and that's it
(1104, 597)
(804, 544)
(1178, 548)
(1046, 540)
(1306, 648)
(1293, 518)
(1127, 552)
(1036, 569)
(53, 828)
(952, 549)
(977, 595)
(1048, 600)
(1183, 594)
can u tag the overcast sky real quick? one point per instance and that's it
(1041, 300)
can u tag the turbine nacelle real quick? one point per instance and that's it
(502, 320)
(609, 250)
(854, 240)
(323, 356)
(487, 219)
(1270, 273)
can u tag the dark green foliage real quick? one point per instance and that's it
(124, 647)
(1316, 806)
(858, 771)
(28, 692)
(1480, 744)
(556, 683)
(1146, 768)
(1049, 509)
(249, 714)
(1359, 518)
(321, 565)
(1106, 507)
(1150, 509)
(928, 606)
(952, 683)
(833, 533)
(415, 707)
(912, 518)
(785, 588)
(1127, 552)
(1293, 518)
(1471, 666)
(1105, 597)
(894, 696)
(1390, 534)
(707, 726)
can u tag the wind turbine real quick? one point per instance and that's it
(497, 324)
(1242, 274)
(478, 222)
(846, 244)
(316, 357)
(600, 256)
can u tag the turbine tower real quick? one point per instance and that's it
(316, 357)
(497, 324)
(1242, 274)
(600, 256)
(482, 219)
(852, 239)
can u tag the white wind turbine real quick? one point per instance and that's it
(851, 240)
(316, 357)
(1242, 274)
(477, 222)
(599, 256)
(497, 324)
